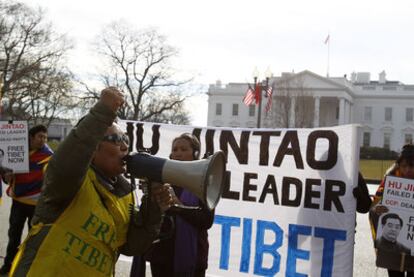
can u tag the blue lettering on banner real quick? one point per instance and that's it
(246, 245)
(271, 249)
(329, 237)
(293, 251)
(227, 222)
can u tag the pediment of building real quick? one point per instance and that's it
(309, 80)
(408, 129)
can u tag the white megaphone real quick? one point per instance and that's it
(204, 178)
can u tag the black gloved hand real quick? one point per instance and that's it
(357, 192)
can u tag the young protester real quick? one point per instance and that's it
(24, 189)
(185, 251)
(404, 168)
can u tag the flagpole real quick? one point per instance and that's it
(255, 93)
(328, 41)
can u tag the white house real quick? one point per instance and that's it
(385, 109)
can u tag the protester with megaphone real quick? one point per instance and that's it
(85, 217)
(185, 251)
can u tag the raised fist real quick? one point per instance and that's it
(113, 98)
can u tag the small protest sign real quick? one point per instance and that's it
(14, 146)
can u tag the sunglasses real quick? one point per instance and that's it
(117, 139)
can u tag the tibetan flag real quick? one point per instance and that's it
(258, 93)
(269, 92)
(249, 97)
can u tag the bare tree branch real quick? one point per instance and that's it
(139, 63)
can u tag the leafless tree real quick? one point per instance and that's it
(139, 62)
(290, 90)
(36, 84)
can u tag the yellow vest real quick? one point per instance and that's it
(84, 240)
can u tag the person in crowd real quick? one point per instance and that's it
(391, 228)
(185, 252)
(24, 189)
(404, 168)
(85, 217)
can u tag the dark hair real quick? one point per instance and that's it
(406, 154)
(2, 152)
(195, 144)
(37, 129)
(391, 215)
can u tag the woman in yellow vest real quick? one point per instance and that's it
(82, 220)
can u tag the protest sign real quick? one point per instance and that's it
(287, 208)
(14, 146)
(395, 228)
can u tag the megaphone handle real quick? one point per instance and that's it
(166, 235)
(180, 207)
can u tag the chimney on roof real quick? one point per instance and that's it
(353, 77)
(381, 77)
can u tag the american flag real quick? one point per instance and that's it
(249, 97)
(269, 92)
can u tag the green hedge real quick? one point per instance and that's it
(377, 153)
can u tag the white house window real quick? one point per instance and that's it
(218, 108)
(388, 114)
(252, 110)
(368, 113)
(408, 138)
(366, 139)
(235, 110)
(409, 114)
(387, 140)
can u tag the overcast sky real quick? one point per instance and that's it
(226, 39)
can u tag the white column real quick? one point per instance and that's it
(317, 100)
(292, 112)
(341, 111)
(346, 112)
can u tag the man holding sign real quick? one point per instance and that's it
(394, 230)
(25, 189)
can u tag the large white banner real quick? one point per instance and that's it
(287, 207)
(14, 146)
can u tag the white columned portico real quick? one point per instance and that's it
(346, 112)
(341, 111)
(292, 112)
(317, 100)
